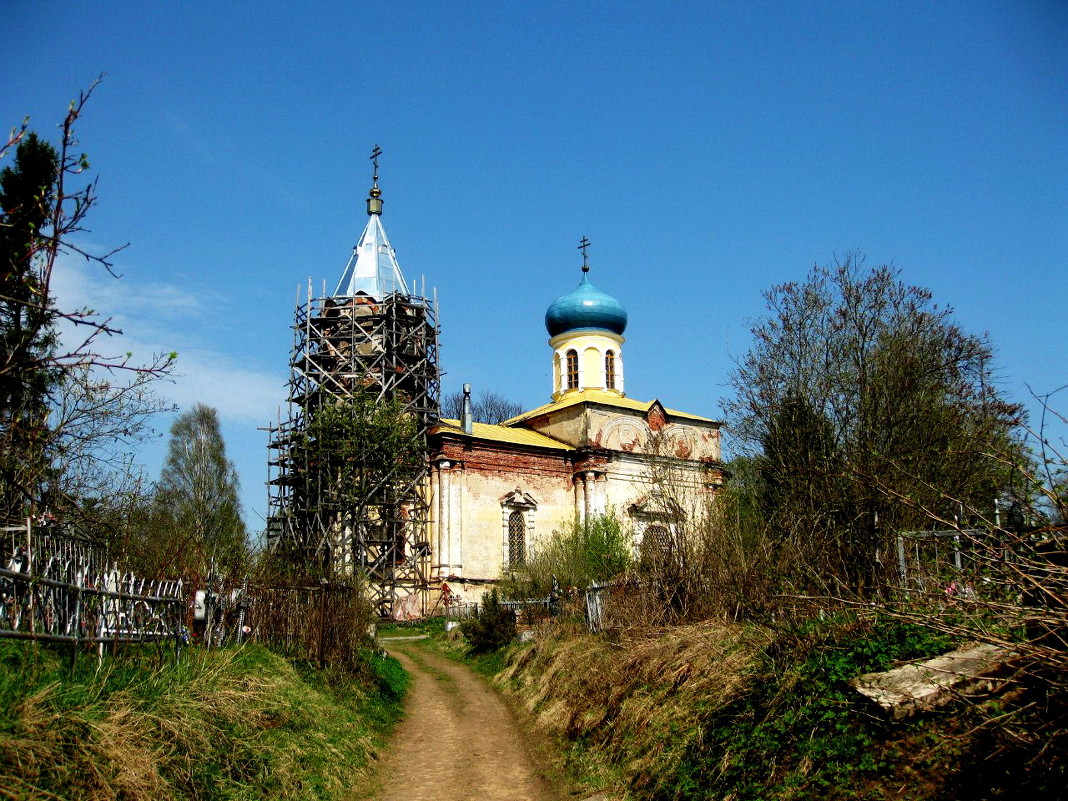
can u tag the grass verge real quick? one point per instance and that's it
(237, 723)
(723, 711)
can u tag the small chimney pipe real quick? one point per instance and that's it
(466, 420)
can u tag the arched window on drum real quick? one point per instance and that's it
(572, 369)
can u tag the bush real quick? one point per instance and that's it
(800, 732)
(492, 628)
(597, 549)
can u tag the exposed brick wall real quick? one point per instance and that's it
(502, 459)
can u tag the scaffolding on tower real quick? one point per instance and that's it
(372, 341)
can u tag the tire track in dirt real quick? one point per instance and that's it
(458, 740)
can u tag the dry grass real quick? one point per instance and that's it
(629, 702)
(224, 724)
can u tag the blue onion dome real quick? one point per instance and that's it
(585, 308)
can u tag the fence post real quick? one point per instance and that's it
(75, 621)
(902, 568)
(322, 626)
(179, 620)
(242, 603)
(29, 577)
(594, 608)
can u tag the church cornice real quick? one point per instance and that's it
(511, 436)
(604, 400)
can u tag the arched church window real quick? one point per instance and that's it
(572, 370)
(517, 538)
(610, 370)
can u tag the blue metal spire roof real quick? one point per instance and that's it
(372, 270)
(586, 307)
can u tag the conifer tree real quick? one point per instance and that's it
(65, 407)
(27, 330)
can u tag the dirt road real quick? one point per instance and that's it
(458, 740)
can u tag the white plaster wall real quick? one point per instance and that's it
(631, 433)
(482, 551)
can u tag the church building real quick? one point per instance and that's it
(497, 491)
(480, 499)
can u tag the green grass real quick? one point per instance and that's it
(451, 644)
(718, 711)
(236, 723)
(799, 732)
(432, 626)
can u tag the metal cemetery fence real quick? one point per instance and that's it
(461, 611)
(325, 623)
(530, 610)
(56, 589)
(1027, 567)
(932, 560)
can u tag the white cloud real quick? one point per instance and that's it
(160, 317)
(77, 284)
(239, 394)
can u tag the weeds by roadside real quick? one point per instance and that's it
(718, 710)
(232, 723)
(799, 731)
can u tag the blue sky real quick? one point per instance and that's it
(708, 150)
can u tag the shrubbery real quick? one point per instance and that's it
(596, 549)
(492, 628)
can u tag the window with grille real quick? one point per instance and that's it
(572, 370)
(610, 370)
(517, 538)
(657, 540)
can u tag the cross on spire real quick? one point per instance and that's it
(585, 243)
(374, 160)
(374, 202)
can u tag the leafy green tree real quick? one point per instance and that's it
(597, 549)
(355, 466)
(362, 447)
(195, 519)
(799, 464)
(869, 410)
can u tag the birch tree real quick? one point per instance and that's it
(197, 515)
